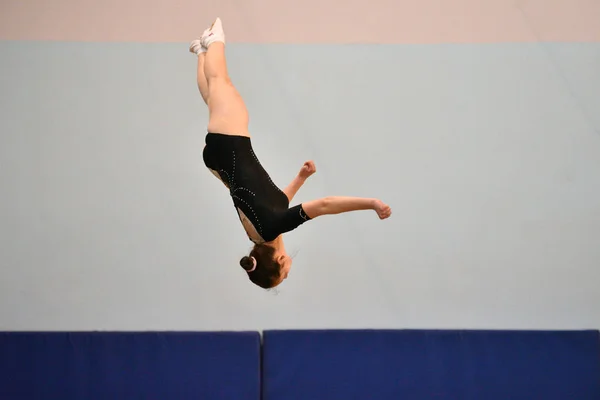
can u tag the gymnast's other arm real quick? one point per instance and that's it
(307, 170)
(338, 204)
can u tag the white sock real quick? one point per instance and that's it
(214, 34)
(196, 47)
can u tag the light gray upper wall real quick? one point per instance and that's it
(488, 154)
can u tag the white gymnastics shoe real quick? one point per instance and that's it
(196, 47)
(213, 34)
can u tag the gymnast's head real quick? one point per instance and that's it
(267, 265)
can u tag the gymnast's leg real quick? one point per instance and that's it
(201, 78)
(227, 111)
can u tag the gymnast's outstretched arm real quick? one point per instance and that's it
(338, 204)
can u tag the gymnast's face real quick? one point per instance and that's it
(286, 264)
(282, 258)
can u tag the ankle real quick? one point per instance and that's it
(211, 40)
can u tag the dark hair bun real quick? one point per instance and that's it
(247, 263)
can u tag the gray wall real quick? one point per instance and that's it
(488, 154)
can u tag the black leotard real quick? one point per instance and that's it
(251, 188)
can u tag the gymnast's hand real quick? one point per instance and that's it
(307, 170)
(383, 210)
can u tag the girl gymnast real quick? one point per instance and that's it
(263, 209)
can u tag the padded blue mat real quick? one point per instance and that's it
(130, 366)
(461, 365)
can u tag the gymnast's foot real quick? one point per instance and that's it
(383, 210)
(196, 47)
(213, 34)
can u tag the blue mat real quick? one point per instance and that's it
(130, 366)
(461, 365)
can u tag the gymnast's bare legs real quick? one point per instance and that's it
(227, 111)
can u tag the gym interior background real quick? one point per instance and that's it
(478, 123)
